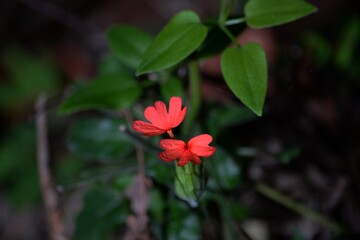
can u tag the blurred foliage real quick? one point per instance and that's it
(28, 76)
(102, 158)
(98, 139)
(18, 172)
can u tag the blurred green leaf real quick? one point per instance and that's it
(189, 183)
(176, 41)
(109, 65)
(103, 212)
(28, 75)
(349, 41)
(172, 87)
(268, 13)
(319, 47)
(68, 169)
(128, 44)
(116, 91)
(245, 72)
(183, 223)
(98, 139)
(290, 154)
(161, 172)
(18, 171)
(227, 116)
(223, 170)
(123, 181)
(157, 205)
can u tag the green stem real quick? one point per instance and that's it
(222, 12)
(225, 10)
(195, 94)
(297, 207)
(230, 35)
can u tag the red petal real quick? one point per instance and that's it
(162, 112)
(153, 116)
(176, 115)
(199, 145)
(173, 149)
(147, 129)
(185, 158)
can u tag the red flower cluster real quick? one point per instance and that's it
(162, 121)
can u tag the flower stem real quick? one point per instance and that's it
(297, 207)
(171, 134)
(195, 94)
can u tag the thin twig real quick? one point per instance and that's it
(138, 193)
(50, 197)
(297, 207)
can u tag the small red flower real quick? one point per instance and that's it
(160, 120)
(191, 152)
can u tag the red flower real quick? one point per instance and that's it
(192, 151)
(160, 120)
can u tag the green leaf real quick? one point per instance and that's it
(109, 64)
(116, 91)
(18, 172)
(128, 44)
(176, 41)
(98, 139)
(69, 168)
(172, 87)
(102, 213)
(268, 13)
(189, 183)
(223, 169)
(349, 42)
(216, 40)
(183, 223)
(245, 72)
(226, 116)
(28, 76)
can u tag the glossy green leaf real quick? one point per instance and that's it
(268, 13)
(98, 139)
(189, 183)
(114, 92)
(223, 170)
(128, 44)
(102, 213)
(245, 72)
(176, 41)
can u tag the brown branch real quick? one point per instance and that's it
(54, 219)
(138, 194)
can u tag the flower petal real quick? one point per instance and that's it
(162, 112)
(199, 145)
(201, 140)
(184, 159)
(153, 116)
(173, 149)
(206, 151)
(176, 115)
(147, 129)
